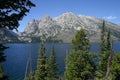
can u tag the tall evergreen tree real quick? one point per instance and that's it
(108, 45)
(52, 69)
(115, 69)
(102, 42)
(109, 54)
(41, 72)
(79, 63)
(2, 59)
(11, 12)
(105, 50)
(2, 56)
(103, 57)
(80, 42)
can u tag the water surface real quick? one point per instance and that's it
(18, 54)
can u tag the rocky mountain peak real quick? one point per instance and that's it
(66, 16)
(66, 20)
(32, 21)
(31, 26)
(46, 18)
(46, 22)
(65, 26)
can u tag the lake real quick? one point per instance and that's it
(18, 54)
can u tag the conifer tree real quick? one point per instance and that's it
(109, 55)
(2, 56)
(12, 11)
(108, 45)
(102, 42)
(79, 63)
(80, 42)
(115, 69)
(52, 69)
(2, 59)
(41, 72)
(103, 61)
(105, 50)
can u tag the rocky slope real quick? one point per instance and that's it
(65, 26)
(7, 35)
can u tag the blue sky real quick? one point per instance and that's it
(105, 9)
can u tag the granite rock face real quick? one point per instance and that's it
(65, 26)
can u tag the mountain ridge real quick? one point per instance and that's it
(65, 26)
(7, 35)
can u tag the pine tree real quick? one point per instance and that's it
(2, 59)
(108, 45)
(79, 63)
(115, 69)
(2, 56)
(41, 72)
(103, 60)
(11, 12)
(105, 50)
(109, 55)
(102, 42)
(80, 42)
(102, 48)
(52, 69)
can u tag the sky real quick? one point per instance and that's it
(105, 9)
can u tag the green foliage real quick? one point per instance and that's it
(2, 59)
(115, 69)
(52, 69)
(108, 45)
(79, 66)
(79, 63)
(81, 42)
(105, 49)
(11, 11)
(102, 42)
(2, 75)
(41, 72)
(2, 56)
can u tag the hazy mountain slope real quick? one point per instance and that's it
(7, 35)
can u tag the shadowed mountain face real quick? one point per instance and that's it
(7, 35)
(65, 26)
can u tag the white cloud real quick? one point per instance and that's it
(110, 17)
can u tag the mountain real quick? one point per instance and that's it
(7, 35)
(65, 26)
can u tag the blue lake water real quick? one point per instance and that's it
(18, 54)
